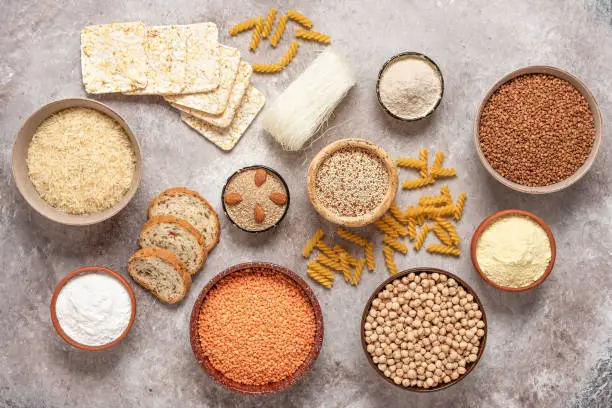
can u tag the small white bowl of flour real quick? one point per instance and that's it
(93, 308)
(410, 86)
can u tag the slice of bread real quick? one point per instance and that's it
(177, 236)
(161, 272)
(193, 208)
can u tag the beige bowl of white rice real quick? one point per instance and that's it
(76, 162)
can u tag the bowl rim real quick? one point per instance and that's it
(251, 167)
(501, 214)
(597, 120)
(83, 271)
(404, 55)
(370, 147)
(416, 271)
(231, 385)
(45, 209)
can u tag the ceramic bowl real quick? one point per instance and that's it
(593, 105)
(404, 55)
(20, 168)
(232, 385)
(82, 271)
(365, 219)
(469, 367)
(255, 167)
(500, 214)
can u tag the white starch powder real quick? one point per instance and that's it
(410, 86)
(93, 308)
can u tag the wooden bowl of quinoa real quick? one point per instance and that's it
(235, 322)
(538, 130)
(76, 162)
(352, 182)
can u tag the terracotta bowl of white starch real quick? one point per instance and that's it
(410, 86)
(93, 308)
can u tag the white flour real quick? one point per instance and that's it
(93, 309)
(513, 251)
(410, 87)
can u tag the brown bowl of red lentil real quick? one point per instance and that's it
(352, 182)
(426, 362)
(256, 328)
(538, 130)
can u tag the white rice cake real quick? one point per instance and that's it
(113, 57)
(240, 86)
(214, 102)
(202, 69)
(166, 49)
(226, 138)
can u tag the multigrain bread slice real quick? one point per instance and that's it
(177, 236)
(193, 208)
(161, 272)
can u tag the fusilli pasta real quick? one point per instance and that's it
(330, 263)
(450, 229)
(411, 228)
(369, 256)
(411, 163)
(395, 244)
(443, 249)
(389, 261)
(445, 191)
(320, 269)
(437, 212)
(267, 68)
(397, 213)
(437, 164)
(459, 205)
(257, 30)
(269, 22)
(299, 18)
(390, 221)
(244, 26)
(312, 242)
(420, 239)
(417, 183)
(350, 259)
(320, 278)
(423, 157)
(358, 271)
(352, 237)
(312, 35)
(446, 172)
(386, 228)
(278, 32)
(442, 234)
(289, 55)
(433, 201)
(325, 249)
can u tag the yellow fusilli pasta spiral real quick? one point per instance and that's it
(369, 256)
(442, 234)
(459, 205)
(289, 55)
(420, 239)
(352, 237)
(244, 26)
(395, 244)
(437, 212)
(346, 268)
(414, 212)
(438, 160)
(420, 220)
(450, 229)
(299, 18)
(397, 213)
(390, 221)
(411, 228)
(418, 183)
(320, 278)
(330, 253)
(340, 251)
(446, 172)
(386, 228)
(389, 261)
(423, 157)
(443, 249)
(312, 36)
(411, 163)
(358, 271)
(280, 29)
(330, 263)
(320, 269)
(445, 191)
(269, 22)
(267, 68)
(257, 30)
(433, 201)
(312, 242)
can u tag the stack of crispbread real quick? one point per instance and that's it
(208, 82)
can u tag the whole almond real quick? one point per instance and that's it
(259, 214)
(260, 177)
(278, 198)
(232, 198)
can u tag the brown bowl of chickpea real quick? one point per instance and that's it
(423, 329)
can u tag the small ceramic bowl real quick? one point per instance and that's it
(593, 105)
(373, 149)
(408, 55)
(500, 214)
(468, 368)
(232, 385)
(20, 167)
(255, 167)
(86, 270)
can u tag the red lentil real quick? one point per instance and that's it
(256, 327)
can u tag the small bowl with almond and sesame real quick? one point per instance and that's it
(255, 198)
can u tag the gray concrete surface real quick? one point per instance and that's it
(547, 348)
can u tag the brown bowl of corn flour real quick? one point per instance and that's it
(410, 86)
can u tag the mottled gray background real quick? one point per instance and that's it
(547, 348)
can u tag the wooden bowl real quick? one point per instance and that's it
(404, 55)
(593, 105)
(230, 384)
(469, 367)
(20, 167)
(81, 271)
(365, 219)
(495, 216)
